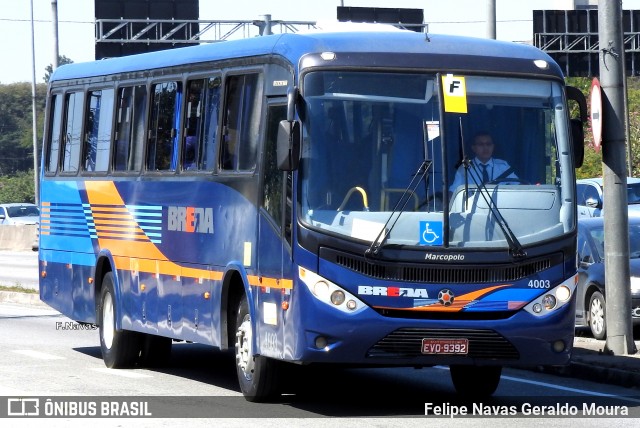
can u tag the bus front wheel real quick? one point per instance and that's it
(120, 348)
(257, 375)
(474, 381)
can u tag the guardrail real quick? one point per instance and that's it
(18, 237)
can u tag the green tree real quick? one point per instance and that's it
(17, 188)
(62, 60)
(16, 125)
(592, 166)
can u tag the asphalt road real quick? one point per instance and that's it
(47, 356)
(19, 268)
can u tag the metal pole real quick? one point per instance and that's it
(267, 25)
(34, 114)
(616, 219)
(491, 19)
(54, 19)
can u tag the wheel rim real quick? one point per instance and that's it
(108, 319)
(597, 316)
(243, 348)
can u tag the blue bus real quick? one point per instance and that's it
(315, 199)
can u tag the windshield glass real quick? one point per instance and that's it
(597, 234)
(367, 136)
(633, 193)
(23, 211)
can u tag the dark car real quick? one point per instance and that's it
(590, 307)
(590, 196)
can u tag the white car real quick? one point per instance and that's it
(589, 194)
(19, 213)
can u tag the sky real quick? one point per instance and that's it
(76, 32)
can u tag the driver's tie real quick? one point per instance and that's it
(485, 173)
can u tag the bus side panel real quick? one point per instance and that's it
(272, 290)
(55, 283)
(168, 245)
(197, 316)
(67, 254)
(133, 304)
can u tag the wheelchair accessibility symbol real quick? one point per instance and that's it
(430, 233)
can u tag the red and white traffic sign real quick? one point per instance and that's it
(596, 113)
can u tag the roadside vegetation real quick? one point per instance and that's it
(18, 288)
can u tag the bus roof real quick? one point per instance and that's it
(484, 54)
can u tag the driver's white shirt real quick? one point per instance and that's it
(495, 168)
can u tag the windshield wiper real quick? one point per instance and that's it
(515, 247)
(377, 243)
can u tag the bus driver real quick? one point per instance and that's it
(484, 166)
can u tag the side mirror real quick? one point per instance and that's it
(593, 203)
(288, 145)
(577, 131)
(585, 262)
(292, 97)
(577, 135)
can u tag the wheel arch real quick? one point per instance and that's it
(105, 264)
(591, 288)
(235, 284)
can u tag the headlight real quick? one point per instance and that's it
(329, 293)
(635, 285)
(553, 299)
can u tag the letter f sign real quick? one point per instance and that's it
(455, 94)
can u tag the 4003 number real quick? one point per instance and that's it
(539, 283)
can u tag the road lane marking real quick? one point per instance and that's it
(123, 373)
(569, 389)
(37, 354)
(561, 388)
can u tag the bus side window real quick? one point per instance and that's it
(71, 133)
(241, 122)
(98, 119)
(53, 147)
(192, 123)
(161, 148)
(201, 124)
(273, 176)
(130, 114)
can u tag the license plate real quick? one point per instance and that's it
(445, 346)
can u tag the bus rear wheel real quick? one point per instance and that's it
(474, 381)
(120, 348)
(257, 375)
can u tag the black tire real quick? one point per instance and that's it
(474, 381)
(257, 375)
(120, 348)
(155, 350)
(597, 315)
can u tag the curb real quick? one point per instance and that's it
(601, 374)
(32, 299)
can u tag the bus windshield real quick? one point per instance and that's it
(495, 161)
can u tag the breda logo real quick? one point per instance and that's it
(190, 219)
(365, 290)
